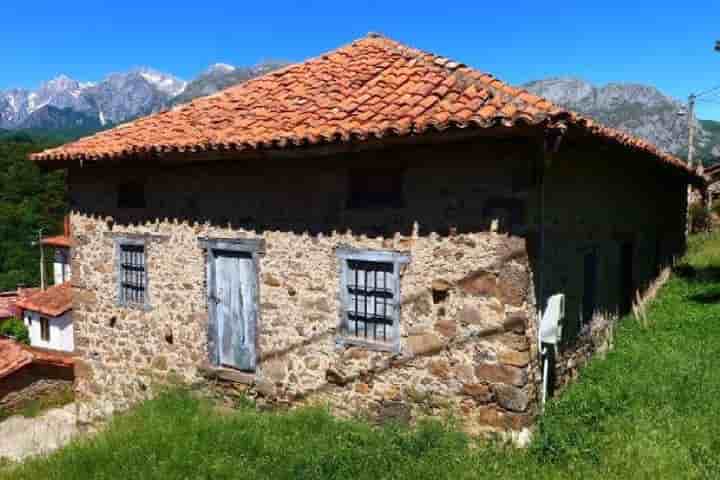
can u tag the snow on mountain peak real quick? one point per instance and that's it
(220, 68)
(167, 84)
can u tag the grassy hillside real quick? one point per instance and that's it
(651, 409)
(29, 200)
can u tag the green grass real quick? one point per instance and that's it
(651, 409)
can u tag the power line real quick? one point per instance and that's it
(708, 91)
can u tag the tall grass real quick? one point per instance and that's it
(651, 409)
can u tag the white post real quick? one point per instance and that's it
(42, 260)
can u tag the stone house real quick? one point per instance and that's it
(377, 228)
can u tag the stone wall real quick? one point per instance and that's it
(32, 382)
(467, 304)
(468, 322)
(608, 200)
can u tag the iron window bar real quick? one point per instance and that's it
(372, 299)
(132, 265)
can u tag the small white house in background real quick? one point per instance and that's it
(48, 312)
(48, 316)
(62, 245)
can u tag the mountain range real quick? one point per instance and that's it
(641, 110)
(69, 105)
(66, 103)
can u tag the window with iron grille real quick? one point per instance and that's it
(371, 297)
(132, 274)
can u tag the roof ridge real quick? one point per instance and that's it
(454, 67)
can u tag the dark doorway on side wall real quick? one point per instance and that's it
(589, 286)
(627, 284)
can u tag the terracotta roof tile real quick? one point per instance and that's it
(358, 88)
(53, 302)
(14, 356)
(8, 300)
(58, 241)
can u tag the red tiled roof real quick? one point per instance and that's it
(9, 300)
(7, 304)
(374, 87)
(53, 302)
(51, 357)
(14, 356)
(58, 241)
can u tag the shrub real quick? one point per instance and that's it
(699, 217)
(16, 329)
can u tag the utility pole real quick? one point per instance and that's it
(691, 129)
(42, 260)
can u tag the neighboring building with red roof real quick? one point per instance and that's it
(370, 228)
(9, 301)
(7, 305)
(48, 316)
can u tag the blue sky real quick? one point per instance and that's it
(667, 44)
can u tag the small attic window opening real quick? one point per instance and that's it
(131, 195)
(375, 188)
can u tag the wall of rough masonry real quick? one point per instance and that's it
(32, 382)
(608, 199)
(468, 322)
(465, 349)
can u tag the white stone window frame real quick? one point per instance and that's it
(120, 243)
(397, 260)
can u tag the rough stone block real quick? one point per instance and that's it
(440, 285)
(446, 327)
(514, 358)
(271, 280)
(424, 344)
(480, 284)
(83, 370)
(481, 315)
(515, 342)
(478, 391)
(497, 373)
(160, 363)
(320, 304)
(440, 368)
(491, 417)
(362, 388)
(356, 353)
(511, 398)
(513, 284)
(275, 370)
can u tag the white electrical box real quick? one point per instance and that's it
(552, 320)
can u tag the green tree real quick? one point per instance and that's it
(30, 199)
(16, 329)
